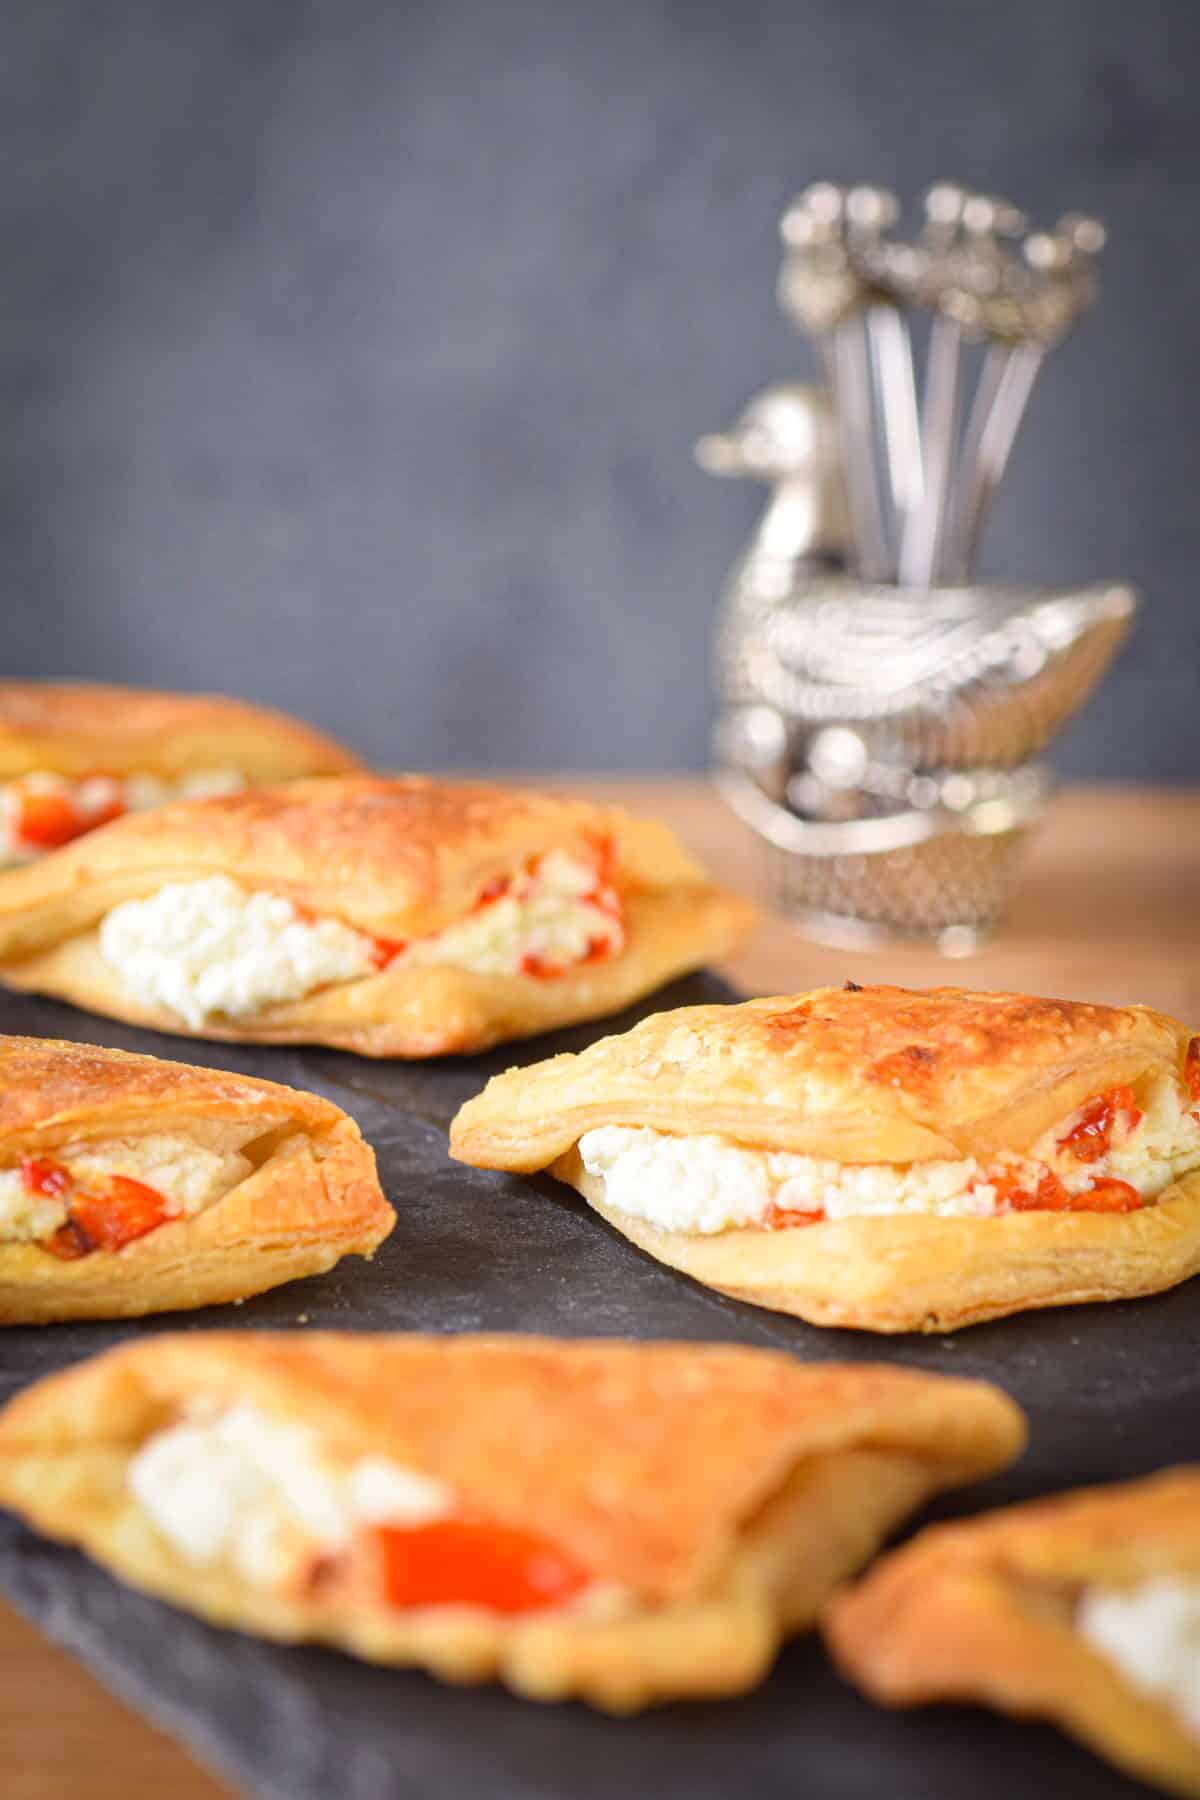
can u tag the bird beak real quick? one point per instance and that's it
(718, 454)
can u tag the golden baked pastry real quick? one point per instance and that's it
(1084, 1609)
(878, 1158)
(394, 917)
(623, 1522)
(130, 1185)
(75, 754)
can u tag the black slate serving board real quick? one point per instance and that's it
(1111, 1392)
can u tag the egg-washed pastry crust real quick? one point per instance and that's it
(866, 1075)
(79, 728)
(313, 1196)
(395, 857)
(982, 1611)
(726, 1490)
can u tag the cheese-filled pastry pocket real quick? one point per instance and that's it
(389, 916)
(880, 1158)
(1083, 1609)
(625, 1523)
(129, 1185)
(75, 755)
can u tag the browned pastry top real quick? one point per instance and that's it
(81, 728)
(857, 1074)
(51, 1092)
(399, 855)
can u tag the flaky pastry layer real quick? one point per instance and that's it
(984, 1611)
(80, 728)
(725, 1489)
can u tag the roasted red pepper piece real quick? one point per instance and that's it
(1191, 1069)
(42, 1175)
(1049, 1195)
(69, 1242)
(1091, 1138)
(469, 1562)
(495, 890)
(386, 950)
(605, 849)
(108, 1221)
(129, 1210)
(783, 1218)
(1108, 1195)
(49, 820)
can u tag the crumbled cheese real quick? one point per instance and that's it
(383, 1493)
(241, 1487)
(708, 1184)
(545, 915)
(94, 796)
(1152, 1633)
(24, 1217)
(1163, 1145)
(189, 1175)
(201, 948)
(697, 1184)
(145, 791)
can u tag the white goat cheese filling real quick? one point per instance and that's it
(707, 1184)
(547, 916)
(203, 948)
(1152, 1633)
(190, 1176)
(238, 1487)
(1164, 1144)
(26, 1217)
(199, 948)
(95, 798)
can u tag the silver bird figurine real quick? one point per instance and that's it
(884, 741)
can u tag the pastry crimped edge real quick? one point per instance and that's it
(313, 1199)
(833, 1460)
(76, 728)
(980, 1611)
(696, 1072)
(676, 918)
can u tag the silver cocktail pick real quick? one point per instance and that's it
(1022, 327)
(870, 211)
(920, 545)
(824, 291)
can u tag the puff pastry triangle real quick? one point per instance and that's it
(129, 1185)
(74, 755)
(393, 917)
(623, 1522)
(1084, 1609)
(876, 1157)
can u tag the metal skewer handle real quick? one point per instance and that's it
(1065, 261)
(921, 484)
(824, 289)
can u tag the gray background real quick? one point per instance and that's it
(351, 353)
